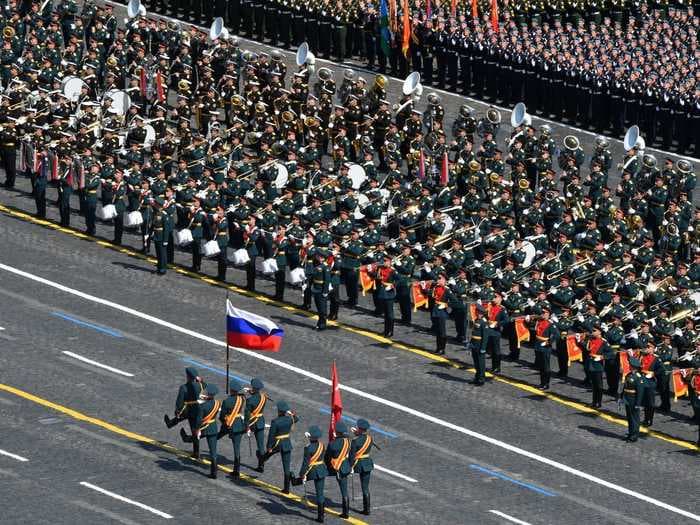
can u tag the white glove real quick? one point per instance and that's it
(527, 318)
(526, 211)
(604, 327)
(580, 318)
(499, 273)
(578, 337)
(634, 251)
(477, 264)
(554, 318)
(678, 332)
(652, 322)
(629, 315)
(531, 302)
(552, 290)
(426, 266)
(478, 301)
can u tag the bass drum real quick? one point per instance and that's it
(121, 101)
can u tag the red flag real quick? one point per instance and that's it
(444, 172)
(453, 8)
(392, 16)
(53, 159)
(421, 166)
(475, 9)
(428, 9)
(336, 403)
(494, 15)
(160, 92)
(37, 161)
(406, 39)
(142, 82)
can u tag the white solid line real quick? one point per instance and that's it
(126, 500)
(394, 473)
(95, 363)
(509, 518)
(392, 404)
(13, 456)
(1, 328)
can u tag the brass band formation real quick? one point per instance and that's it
(191, 141)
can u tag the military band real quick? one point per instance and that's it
(236, 157)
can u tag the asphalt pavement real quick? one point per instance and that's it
(450, 452)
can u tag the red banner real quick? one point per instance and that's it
(428, 9)
(494, 15)
(573, 350)
(444, 172)
(475, 9)
(453, 8)
(366, 282)
(419, 298)
(406, 37)
(142, 82)
(522, 332)
(160, 91)
(678, 384)
(336, 403)
(625, 367)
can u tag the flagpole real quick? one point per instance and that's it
(227, 346)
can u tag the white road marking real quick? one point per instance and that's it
(126, 500)
(95, 363)
(380, 400)
(13, 456)
(509, 518)
(394, 473)
(361, 67)
(1, 329)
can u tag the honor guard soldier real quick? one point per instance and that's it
(361, 461)
(255, 418)
(478, 343)
(320, 284)
(186, 403)
(599, 352)
(650, 368)
(205, 425)
(545, 334)
(632, 392)
(338, 462)
(441, 297)
(278, 439)
(313, 468)
(385, 279)
(161, 228)
(497, 320)
(404, 266)
(351, 259)
(233, 421)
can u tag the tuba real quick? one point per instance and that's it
(325, 74)
(649, 161)
(8, 32)
(571, 143)
(379, 82)
(237, 101)
(493, 116)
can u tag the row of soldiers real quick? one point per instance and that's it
(330, 187)
(641, 64)
(242, 413)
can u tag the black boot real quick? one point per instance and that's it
(195, 449)
(261, 461)
(346, 508)
(213, 470)
(287, 479)
(185, 437)
(365, 505)
(236, 469)
(321, 508)
(170, 423)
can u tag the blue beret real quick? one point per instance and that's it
(234, 386)
(191, 372)
(363, 424)
(282, 406)
(341, 428)
(257, 383)
(314, 432)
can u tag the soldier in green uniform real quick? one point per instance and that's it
(205, 425)
(280, 247)
(632, 392)
(320, 283)
(478, 343)
(361, 461)
(92, 183)
(186, 404)
(338, 462)
(278, 439)
(160, 230)
(313, 468)
(233, 421)
(404, 265)
(255, 419)
(352, 254)
(197, 218)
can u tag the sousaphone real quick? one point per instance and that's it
(218, 30)
(633, 139)
(520, 116)
(135, 8)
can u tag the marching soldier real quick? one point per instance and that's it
(545, 335)
(361, 461)
(186, 404)
(338, 462)
(278, 440)
(313, 468)
(478, 344)
(255, 418)
(632, 392)
(233, 421)
(320, 283)
(205, 426)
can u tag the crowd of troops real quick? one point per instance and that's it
(572, 61)
(331, 187)
(242, 413)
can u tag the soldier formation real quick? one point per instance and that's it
(189, 140)
(580, 61)
(242, 413)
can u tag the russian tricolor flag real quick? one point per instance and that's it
(250, 331)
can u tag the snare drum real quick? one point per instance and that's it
(133, 219)
(211, 248)
(182, 237)
(240, 257)
(106, 213)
